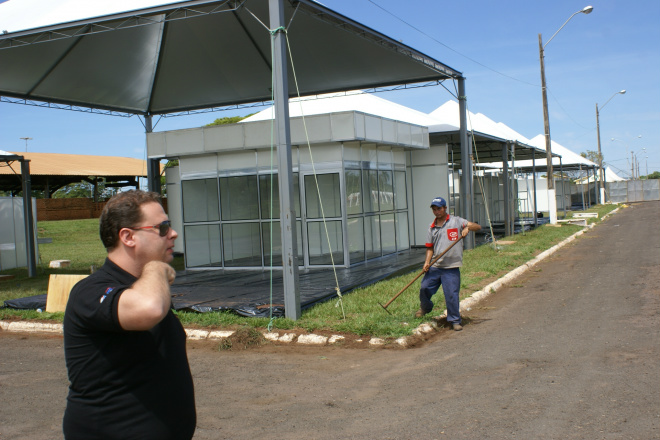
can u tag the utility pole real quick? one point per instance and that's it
(552, 199)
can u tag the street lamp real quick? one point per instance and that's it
(635, 159)
(625, 144)
(26, 139)
(552, 200)
(600, 156)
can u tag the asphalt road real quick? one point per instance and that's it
(571, 350)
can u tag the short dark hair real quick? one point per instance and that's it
(123, 211)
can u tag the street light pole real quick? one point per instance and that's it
(601, 183)
(552, 199)
(26, 139)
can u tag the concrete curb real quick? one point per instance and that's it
(319, 340)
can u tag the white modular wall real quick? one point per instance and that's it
(563, 190)
(13, 248)
(174, 210)
(489, 198)
(428, 177)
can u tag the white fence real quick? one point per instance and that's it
(628, 191)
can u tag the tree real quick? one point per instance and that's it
(84, 189)
(228, 120)
(654, 175)
(593, 156)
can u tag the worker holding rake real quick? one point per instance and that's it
(443, 233)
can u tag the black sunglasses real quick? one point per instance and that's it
(163, 228)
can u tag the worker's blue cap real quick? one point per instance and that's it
(439, 202)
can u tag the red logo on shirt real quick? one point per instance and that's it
(452, 234)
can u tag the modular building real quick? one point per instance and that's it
(362, 184)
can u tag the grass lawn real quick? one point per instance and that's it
(78, 241)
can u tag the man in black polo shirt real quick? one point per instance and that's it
(125, 350)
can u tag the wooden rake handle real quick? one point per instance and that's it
(420, 274)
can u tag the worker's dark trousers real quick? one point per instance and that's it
(450, 279)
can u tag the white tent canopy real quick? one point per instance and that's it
(168, 58)
(490, 137)
(448, 114)
(568, 157)
(610, 176)
(349, 101)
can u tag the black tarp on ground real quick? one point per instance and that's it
(28, 303)
(247, 292)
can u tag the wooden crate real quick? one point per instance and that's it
(59, 287)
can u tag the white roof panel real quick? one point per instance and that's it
(352, 101)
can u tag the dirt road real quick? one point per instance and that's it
(570, 351)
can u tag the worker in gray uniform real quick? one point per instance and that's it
(444, 231)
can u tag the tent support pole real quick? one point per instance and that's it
(588, 187)
(582, 192)
(603, 195)
(563, 186)
(153, 165)
(507, 211)
(28, 221)
(285, 168)
(513, 189)
(536, 209)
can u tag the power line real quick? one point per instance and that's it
(450, 48)
(479, 63)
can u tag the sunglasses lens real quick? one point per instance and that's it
(164, 228)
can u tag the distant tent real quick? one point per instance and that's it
(610, 176)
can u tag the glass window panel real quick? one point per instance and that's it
(319, 252)
(370, 182)
(277, 243)
(264, 190)
(402, 235)
(387, 233)
(386, 190)
(203, 246)
(238, 198)
(329, 189)
(372, 236)
(400, 193)
(242, 244)
(355, 227)
(353, 192)
(200, 200)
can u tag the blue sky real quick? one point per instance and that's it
(494, 44)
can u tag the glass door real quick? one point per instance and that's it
(323, 222)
